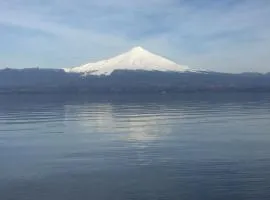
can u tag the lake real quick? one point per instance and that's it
(191, 146)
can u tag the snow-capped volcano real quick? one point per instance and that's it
(135, 59)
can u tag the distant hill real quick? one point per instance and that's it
(126, 81)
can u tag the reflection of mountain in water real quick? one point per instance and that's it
(130, 121)
(130, 117)
(147, 118)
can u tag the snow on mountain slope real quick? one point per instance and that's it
(135, 59)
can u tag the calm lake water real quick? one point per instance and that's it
(193, 146)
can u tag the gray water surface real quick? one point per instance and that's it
(193, 146)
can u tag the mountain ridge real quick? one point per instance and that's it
(136, 71)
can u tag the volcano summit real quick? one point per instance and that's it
(136, 59)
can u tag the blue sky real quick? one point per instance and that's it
(220, 35)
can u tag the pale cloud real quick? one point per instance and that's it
(221, 35)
